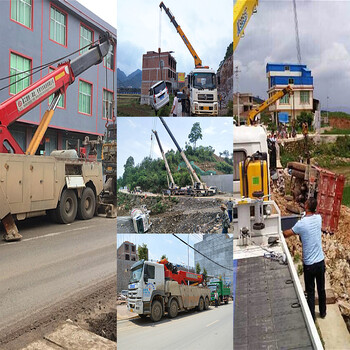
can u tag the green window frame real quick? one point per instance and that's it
(61, 101)
(58, 26)
(304, 97)
(22, 67)
(108, 60)
(107, 103)
(85, 97)
(86, 38)
(21, 12)
(284, 100)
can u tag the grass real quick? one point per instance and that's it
(335, 131)
(129, 105)
(346, 196)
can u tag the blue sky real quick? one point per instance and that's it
(207, 26)
(134, 136)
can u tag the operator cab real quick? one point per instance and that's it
(158, 95)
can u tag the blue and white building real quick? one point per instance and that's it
(299, 77)
(36, 32)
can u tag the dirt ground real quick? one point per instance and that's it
(337, 256)
(93, 309)
(183, 215)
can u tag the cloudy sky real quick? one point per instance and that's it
(159, 244)
(207, 26)
(106, 9)
(134, 136)
(324, 28)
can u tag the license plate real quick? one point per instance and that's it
(206, 108)
(161, 97)
(131, 310)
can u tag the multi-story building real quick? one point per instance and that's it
(37, 34)
(299, 77)
(127, 251)
(155, 67)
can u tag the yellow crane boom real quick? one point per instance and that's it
(197, 60)
(276, 96)
(242, 11)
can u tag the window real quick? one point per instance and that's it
(126, 248)
(86, 38)
(127, 257)
(58, 26)
(150, 271)
(61, 101)
(85, 97)
(21, 66)
(108, 60)
(238, 156)
(284, 100)
(107, 104)
(21, 12)
(304, 97)
(290, 81)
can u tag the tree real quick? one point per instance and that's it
(163, 257)
(198, 268)
(195, 134)
(142, 251)
(205, 273)
(130, 163)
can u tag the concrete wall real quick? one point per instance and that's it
(35, 44)
(123, 273)
(222, 182)
(218, 247)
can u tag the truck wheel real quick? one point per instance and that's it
(226, 300)
(173, 309)
(67, 207)
(206, 304)
(87, 204)
(201, 304)
(156, 311)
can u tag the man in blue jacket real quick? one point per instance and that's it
(309, 231)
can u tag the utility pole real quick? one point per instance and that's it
(326, 121)
(236, 74)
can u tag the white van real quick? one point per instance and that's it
(158, 95)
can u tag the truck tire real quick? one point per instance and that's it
(156, 311)
(173, 309)
(200, 304)
(206, 303)
(87, 204)
(67, 207)
(226, 300)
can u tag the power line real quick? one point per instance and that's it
(196, 250)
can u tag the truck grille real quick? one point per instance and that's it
(205, 97)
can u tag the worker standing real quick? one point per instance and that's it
(216, 297)
(225, 219)
(309, 230)
(230, 208)
(175, 105)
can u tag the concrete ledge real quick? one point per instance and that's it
(71, 337)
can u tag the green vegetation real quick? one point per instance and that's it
(296, 258)
(198, 268)
(165, 110)
(230, 108)
(346, 196)
(129, 105)
(195, 134)
(151, 175)
(338, 115)
(327, 155)
(335, 131)
(224, 167)
(142, 251)
(163, 257)
(300, 269)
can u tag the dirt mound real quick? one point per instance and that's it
(337, 255)
(105, 325)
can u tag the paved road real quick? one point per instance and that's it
(52, 262)
(212, 329)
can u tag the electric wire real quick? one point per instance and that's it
(40, 68)
(196, 250)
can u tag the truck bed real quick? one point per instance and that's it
(266, 311)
